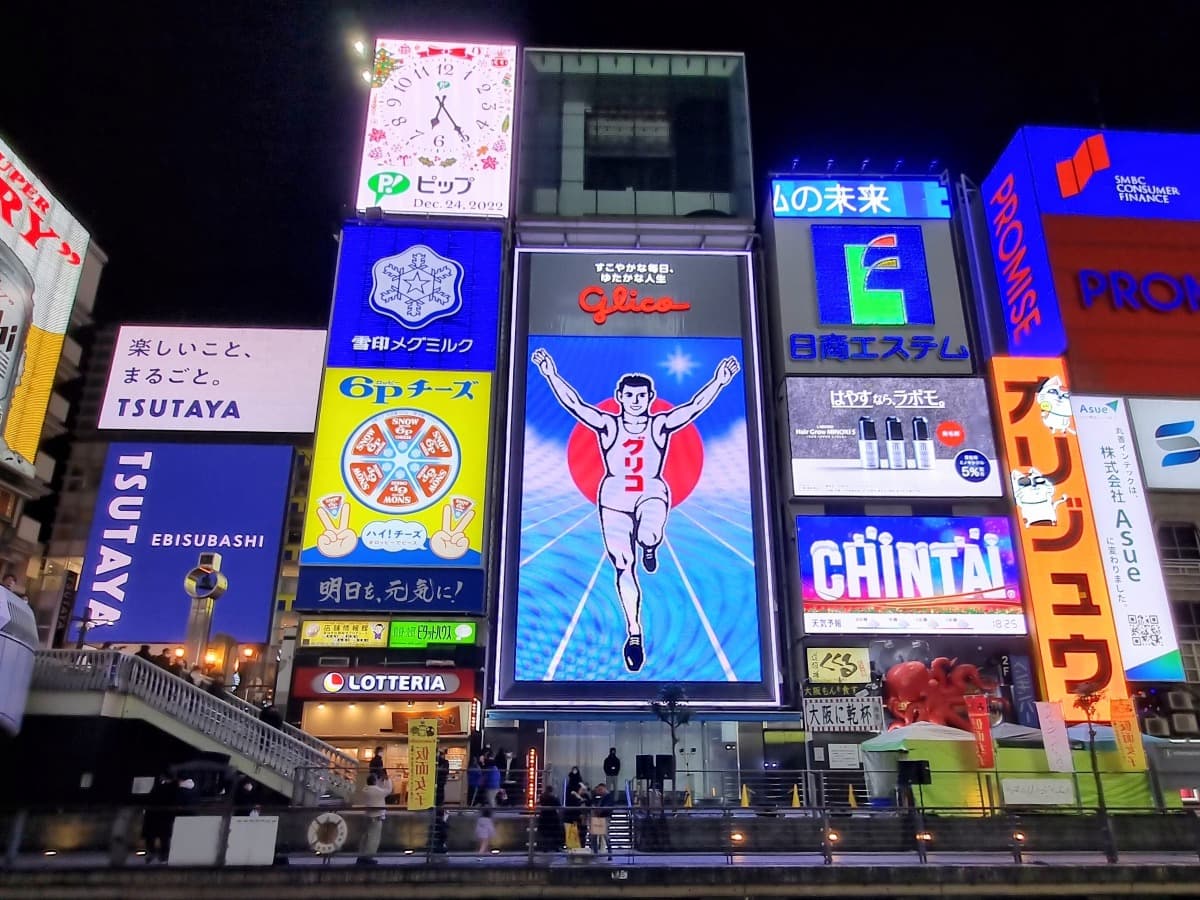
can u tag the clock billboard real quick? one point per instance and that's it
(438, 137)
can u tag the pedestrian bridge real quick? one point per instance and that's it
(110, 684)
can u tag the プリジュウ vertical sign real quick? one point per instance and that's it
(1068, 599)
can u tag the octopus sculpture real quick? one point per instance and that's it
(914, 692)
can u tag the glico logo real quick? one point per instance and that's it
(867, 275)
(1177, 444)
(594, 300)
(1091, 156)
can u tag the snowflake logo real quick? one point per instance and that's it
(489, 162)
(416, 286)
(377, 134)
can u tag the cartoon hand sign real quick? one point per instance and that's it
(337, 539)
(544, 361)
(450, 542)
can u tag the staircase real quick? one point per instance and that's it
(620, 830)
(109, 683)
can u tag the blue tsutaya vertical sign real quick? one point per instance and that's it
(858, 198)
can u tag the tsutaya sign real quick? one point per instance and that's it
(1068, 598)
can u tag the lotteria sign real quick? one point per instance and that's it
(441, 684)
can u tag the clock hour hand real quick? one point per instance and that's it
(437, 116)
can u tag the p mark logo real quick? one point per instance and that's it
(1090, 157)
(1177, 444)
(867, 275)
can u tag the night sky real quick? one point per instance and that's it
(211, 148)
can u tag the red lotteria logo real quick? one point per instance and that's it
(951, 433)
(594, 300)
(332, 682)
(1090, 157)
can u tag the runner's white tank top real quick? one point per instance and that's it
(634, 470)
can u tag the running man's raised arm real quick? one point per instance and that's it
(684, 413)
(566, 395)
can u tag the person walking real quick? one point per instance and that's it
(373, 798)
(158, 819)
(576, 800)
(375, 767)
(474, 781)
(598, 825)
(491, 781)
(612, 768)
(144, 653)
(442, 776)
(485, 830)
(271, 716)
(550, 838)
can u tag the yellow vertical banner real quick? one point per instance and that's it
(422, 763)
(1128, 735)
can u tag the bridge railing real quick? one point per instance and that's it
(314, 768)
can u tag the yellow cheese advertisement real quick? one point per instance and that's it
(399, 469)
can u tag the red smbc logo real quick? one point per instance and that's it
(1074, 173)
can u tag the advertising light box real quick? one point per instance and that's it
(411, 635)
(891, 437)
(858, 198)
(383, 683)
(213, 379)
(634, 553)
(908, 575)
(1064, 570)
(1141, 609)
(165, 510)
(380, 591)
(1169, 442)
(42, 251)
(415, 298)
(867, 297)
(438, 136)
(398, 469)
(343, 633)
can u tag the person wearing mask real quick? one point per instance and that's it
(373, 799)
(612, 767)
(491, 781)
(578, 797)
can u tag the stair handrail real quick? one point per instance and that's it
(314, 767)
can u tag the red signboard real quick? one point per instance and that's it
(1129, 293)
(383, 683)
(981, 727)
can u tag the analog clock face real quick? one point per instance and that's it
(439, 129)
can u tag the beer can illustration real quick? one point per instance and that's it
(16, 317)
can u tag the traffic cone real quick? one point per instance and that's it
(687, 800)
(745, 795)
(853, 800)
(795, 796)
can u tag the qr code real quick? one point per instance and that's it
(1145, 630)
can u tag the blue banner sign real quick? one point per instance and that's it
(409, 590)
(858, 198)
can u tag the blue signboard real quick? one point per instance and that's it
(858, 198)
(1027, 300)
(415, 298)
(170, 513)
(1127, 174)
(360, 589)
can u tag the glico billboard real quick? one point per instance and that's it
(634, 551)
(1095, 242)
(863, 279)
(42, 251)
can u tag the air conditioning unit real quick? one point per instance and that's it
(1180, 700)
(1157, 726)
(1185, 723)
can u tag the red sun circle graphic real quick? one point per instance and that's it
(681, 471)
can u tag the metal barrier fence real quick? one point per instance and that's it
(203, 835)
